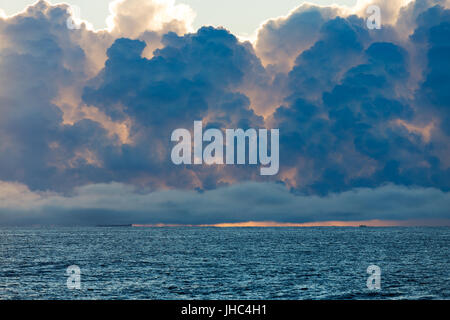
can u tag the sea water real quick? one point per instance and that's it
(224, 263)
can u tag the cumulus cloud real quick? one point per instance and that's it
(123, 204)
(148, 20)
(183, 87)
(131, 18)
(357, 109)
(349, 118)
(390, 9)
(281, 40)
(39, 59)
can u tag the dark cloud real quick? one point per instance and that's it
(356, 108)
(122, 204)
(37, 148)
(349, 126)
(338, 48)
(180, 83)
(193, 77)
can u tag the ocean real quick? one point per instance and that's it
(224, 263)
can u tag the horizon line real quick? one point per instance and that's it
(274, 224)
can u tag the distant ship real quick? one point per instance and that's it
(363, 226)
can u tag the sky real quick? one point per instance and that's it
(86, 115)
(240, 17)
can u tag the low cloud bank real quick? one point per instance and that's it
(117, 203)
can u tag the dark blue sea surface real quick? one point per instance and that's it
(230, 263)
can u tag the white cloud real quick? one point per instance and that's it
(280, 40)
(390, 9)
(131, 18)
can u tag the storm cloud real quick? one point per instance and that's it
(86, 116)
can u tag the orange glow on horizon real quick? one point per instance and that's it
(271, 224)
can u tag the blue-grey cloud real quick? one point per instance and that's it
(123, 204)
(349, 126)
(357, 109)
(281, 40)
